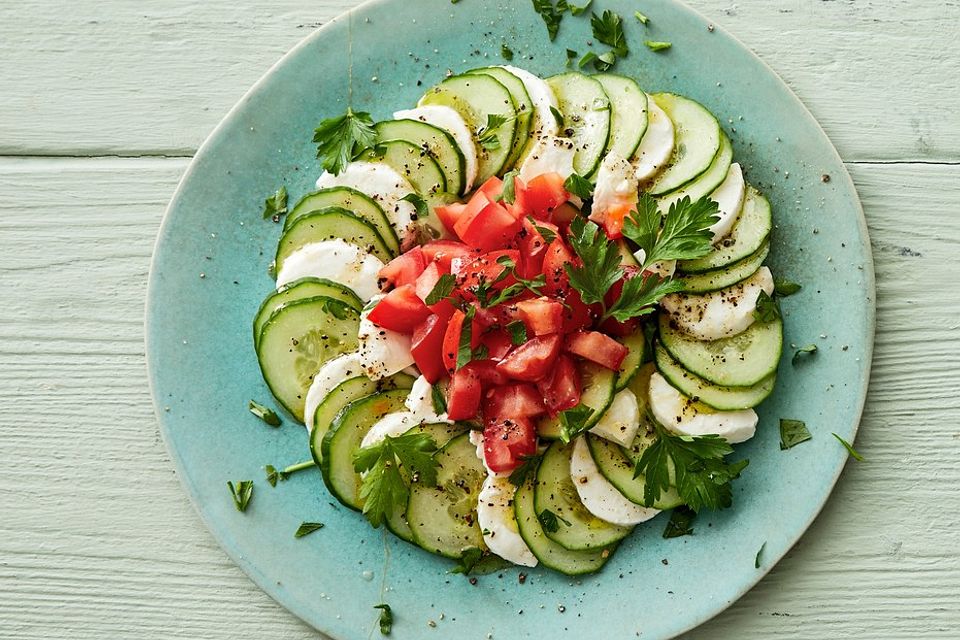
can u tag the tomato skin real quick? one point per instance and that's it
(463, 395)
(576, 314)
(425, 284)
(498, 344)
(533, 248)
(531, 360)
(561, 389)
(400, 310)
(492, 228)
(486, 269)
(404, 269)
(486, 371)
(451, 341)
(507, 442)
(513, 401)
(556, 256)
(449, 214)
(541, 315)
(426, 347)
(543, 194)
(492, 188)
(597, 347)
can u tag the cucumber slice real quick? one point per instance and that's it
(298, 290)
(342, 395)
(586, 118)
(628, 113)
(327, 224)
(442, 433)
(343, 440)
(360, 204)
(698, 389)
(742, 360)
(627, 256)
(697, 141)
(636, 356)
(295, 342)
(475, 97)
(521, 98)
(598, 388)
(577, 528)
(747, 236)
(708, 181)
(549, 553)
(443, 519)
(412, 162)
(617, 467)
(727, 276)
(438, 142)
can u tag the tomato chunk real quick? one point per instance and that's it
(486, 371)
(444, 251)
(463, 395)
(485, 270)
(485, 224)
(533, 247)
(507, 442)
(513, 401)
(451, 339)
(597, 347)
(400, 310)
(498, 343)
(449, 214)
(562, 387)
(541, 315)
(404, 269)
(611, 219)
(557, 255)
(426, 347)
(543, 194)
(531, 360)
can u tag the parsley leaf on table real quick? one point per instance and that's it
(601, 261)
(686, 231)
(641, 17)
(608, 29)
(306, 528)
(551, 14)
(849, 447)
(506, 52)
(681, 522)
(792, 433)
(657, 45)
(391, 466)
(784, 288)
(265, 413)
(798, 354)
(242, 491)
(575, 10)
(386, 618)
(341, 139)
(276, 205)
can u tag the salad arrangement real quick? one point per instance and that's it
(526, 315)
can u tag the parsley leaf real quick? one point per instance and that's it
(391, 466)
(792, 433)
(575, 10)
(437, 399)
(468, 560)
(423, 210)
(601, 261)
(549, 235)
(578, 186)
(551, 15)
(273, 474)
(798, 354)
(639, 296)
(605, 62)
(464, 348)
(487, 136)
(767, 309)
(574, 421)
(529, 465)
(442, 289)
(306, 528)
(506, 52)
(686, 229)
(681, 522)
(846, 445)
(266, 414)
(518, 332)
(341, 139)
(557, 116)
(386, 618)
(276, 205)
(608, 29)
(586, 59)
(642, 18)
(571, 55)
(756, 562)
(509, 192)
(242, 491)
(655, 45)
(551, 521)
(784, 288)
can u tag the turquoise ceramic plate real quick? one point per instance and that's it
(210, 273)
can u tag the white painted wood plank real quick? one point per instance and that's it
(155, 78)
(99, 541)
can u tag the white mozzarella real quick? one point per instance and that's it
(336, 260)
(597, 494)
(498, 522)
(393, 425)
(621, 420)
(382, 352)
(543, 123)
(548, 154)
(452, 122)
(681, 414)
(656, 147)
(383, 184)
(420, 402)
(718, 314)
(616, 187)
(331, 374)
(729, 199)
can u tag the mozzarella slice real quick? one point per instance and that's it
(420, 402)
(496, 518)
(621, 420)
(382, 352)
(681, 414)
(616, 189)
(544, 101)
(384, 185)
(335, 260)
(718, 314)
(729, 199)
(453, 123)
(656, 147)
(331, 374)
(393, 425)
(599, 496)
(548, 154)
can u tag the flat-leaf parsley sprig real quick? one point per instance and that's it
(683, 234)
(342, 139)
(390, 466)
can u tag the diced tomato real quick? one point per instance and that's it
(556, 276)
(541, 315)
(492, 188)
(620, 329)
(426, 347)
(498, 343)
(449, 214)
(576, 314)
(561, 388)
(531, 360)
(612, 218)
(443, 251)
(518, 208)
(451, 341)
(507, 442)
(486, 269)
(425, 285)
(404, 269)
(486, 225)
(400, 310)
(597, 347)
(513, 401)
(533, 247)
(563, 214)
(463, 394)
(543, 194)
(486, 371)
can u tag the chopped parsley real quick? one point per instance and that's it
(391, 465)
(657, 45)
(386, 618)
(442, 289)
(798, 354)
(608, 29)
(464, 348)
(551, 521)
(306, 528)
(242, 492)
(849, 448)
(266, 414)
(578, 186)
(641, 17)
(756, 561)
(529, 465)
(680, 523)
(767, 309)
(487, 136)
(468, 560)
(509, 192)
(792, 433)
(342, 139)
(506, 52)
(276, 205)
(518, 332)
(551, 15)
(575, 10)
(273, 474)
(419, 204)
(784, 288)
(574, 421)
(437, 399)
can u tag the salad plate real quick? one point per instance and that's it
(209, 275)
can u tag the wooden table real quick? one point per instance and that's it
(103, 103)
